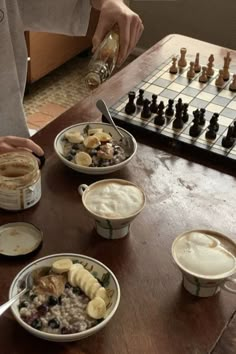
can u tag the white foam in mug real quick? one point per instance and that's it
(207, 260)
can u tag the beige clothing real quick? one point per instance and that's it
(16, 16)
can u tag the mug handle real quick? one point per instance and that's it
(227, 287)
(82, 188)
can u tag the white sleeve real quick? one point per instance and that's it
(69, 17)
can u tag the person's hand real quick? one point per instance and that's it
(14, 143)
(129, 23)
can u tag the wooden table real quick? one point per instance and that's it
(156, 315)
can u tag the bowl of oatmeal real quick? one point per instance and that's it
(94, 148)
(72, 297)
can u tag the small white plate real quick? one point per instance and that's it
(19, 238)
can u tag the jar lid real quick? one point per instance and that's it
(19, 238)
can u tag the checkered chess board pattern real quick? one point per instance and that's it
(197, 95)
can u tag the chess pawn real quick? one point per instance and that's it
(197, 66)
(203, 77)
(140, 99)
(220, 80)
(227, 60)
(173, 69)
(210, 70)
(191, 71)
(182, 60)
(232, 86)
(130, 107)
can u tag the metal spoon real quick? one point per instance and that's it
(28, 286)
(127, 142)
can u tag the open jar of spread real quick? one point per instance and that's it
(20, 181)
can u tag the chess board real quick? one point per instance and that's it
(197, 95)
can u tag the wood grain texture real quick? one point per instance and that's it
(156, 315)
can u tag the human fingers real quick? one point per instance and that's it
(124, 27)
(24, 143)
(137, 30)
(105, 24)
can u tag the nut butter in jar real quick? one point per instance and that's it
(20, 181)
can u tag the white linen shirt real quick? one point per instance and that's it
(68, 17)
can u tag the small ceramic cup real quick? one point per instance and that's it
(205, 286)
(108, 227)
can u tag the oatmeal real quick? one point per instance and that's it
(69, 299)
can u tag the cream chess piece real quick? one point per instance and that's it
(197, 66)
(182, 60)
(232, 86)
(173, 69)
(220, 80)
(210, 70)
(203, 77)
(191, 71)
(227, 60)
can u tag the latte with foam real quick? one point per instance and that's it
(113, 199)
(205, 253)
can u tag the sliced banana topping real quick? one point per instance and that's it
(62, 265)
(91, 142)
(96, 308)
(83, 159)
(84, 279)
(94, 131)
(72, 273)
(74, 137)
(89, 283)
(93, 289)
(103, 137)
(101, 292)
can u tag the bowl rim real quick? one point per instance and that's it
(85, 333)
(84, 168)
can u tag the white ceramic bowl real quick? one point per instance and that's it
(102, 272)
(93, 170)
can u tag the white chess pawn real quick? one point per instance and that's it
(203, 77)
(197, 66)
(191, 71)
(220, 80)
(173, 69)
(182, 60)
(232, 86)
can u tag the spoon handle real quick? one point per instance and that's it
(102, 107)
(7, 304)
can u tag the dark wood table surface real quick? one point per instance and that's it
(156, 315)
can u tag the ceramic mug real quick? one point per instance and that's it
(111, 227)
(206, 285)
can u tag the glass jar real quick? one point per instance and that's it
(104, 60)
(20, 181)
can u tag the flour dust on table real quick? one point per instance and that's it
(187, 106)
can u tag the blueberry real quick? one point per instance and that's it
(93, 152)
(52, 301)
(68, 286)
(42, 309)
(69, 157)
(54, 323)
(32, 297)
(36, 323)
(73, 152)
(23, 303)
(75, 146)
(76, 291)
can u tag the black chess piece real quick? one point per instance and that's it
(228, 141)
(185, 115)
(214, 122)
(153, 105)
(179, 107)
(140, 99)
(234, 131)
(195, 129)
(169, 110)
(210, 134)
(160, 118)
(202, 119)
(130, 107)
(146, 113)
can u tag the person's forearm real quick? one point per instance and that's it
(97, 4)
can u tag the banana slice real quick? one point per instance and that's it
(62, 265)
(88, 284)
(93, 289)
(78, 275)
(72, 273)
(94, 131)
(91, 142)
(103, 137)
(84, 279)
(102, 293)
(83, 159)
(96, 308)
(74, 137)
